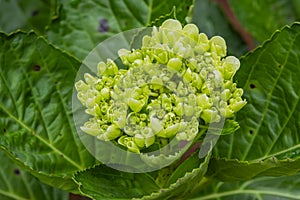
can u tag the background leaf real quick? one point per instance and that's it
(269, 128)
(210, 19)
(103, 182)
(266, 188)
(36, 126)
(16, 183)
(26, 15)
(84, 24)
(184, 185)
(262, 18)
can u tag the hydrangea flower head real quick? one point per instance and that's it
(175, 82)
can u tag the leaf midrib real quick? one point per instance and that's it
(30, 130)
(67, 158)
(11, 195)
(269, 97)
(290, 114)
(62, 104)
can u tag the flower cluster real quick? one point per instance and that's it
(176, 81)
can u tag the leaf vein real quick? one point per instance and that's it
(269, 97)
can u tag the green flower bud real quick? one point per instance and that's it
(148, 135)
(203, 44)
(131, 145)
(175, 64)
(136, 105)
(120, 120)
(237, 104)
(123, 140)
(226, 94)
(171, 24)
(90, 80)
(123, 53)
(155, 125)
(111, 133)
(218, 45)
(91, 127)
(188, 110)
(169, 132)
(81, 87)
(210, 115)
(166, 102)
(238, 93)
(181, 89)
(105, 93)
(225, 110)
(197, 81)
(192, 31)
(108, 69)
(139, 140)
(230, 64)
(187, 77)
(160, 54)
(149, 140)
(228, 112)
(101, 67)
(178, 109)
(204, 101)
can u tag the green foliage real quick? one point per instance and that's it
(37, 73)
(184, 185)
(262, 18)
(35, 104)
(26, 15)
(84, 24)
(269, 136)
(283, 188)
(16, 183)
(211, 20)
(103, 182)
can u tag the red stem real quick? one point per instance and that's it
(225, 7)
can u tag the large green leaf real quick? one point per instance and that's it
(36, 127)
(235, 170)
(84, 24)
(269, 123)
(184, 185)
(211, 21)
(266, 188)
(18, 184)
(262, 17)
(103, 182)
(26, 15)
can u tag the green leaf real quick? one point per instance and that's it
(16, 183)
(36, 127)
(184, 185)
(103, 182)
(269, 125)
(82, 25)
(187, 165)
(235, 170)
(25, 15)
(262, 17)
(211, 21)
(230, 126)
(161, 10)
(266, 188)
